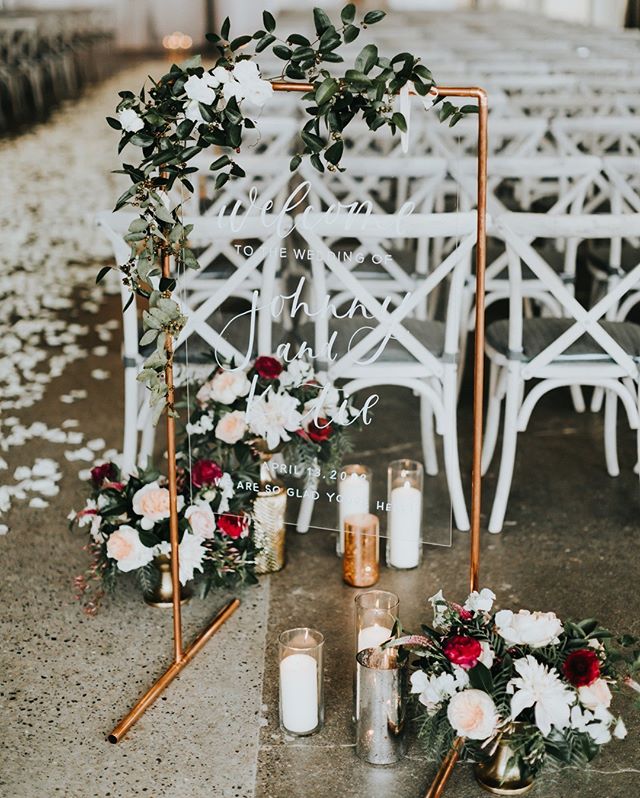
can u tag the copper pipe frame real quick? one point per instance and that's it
(183, 657)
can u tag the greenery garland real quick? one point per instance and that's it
(190, 109)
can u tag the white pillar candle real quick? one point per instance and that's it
(405, 517)
(299, 693)
(372, 636)
(353, 492)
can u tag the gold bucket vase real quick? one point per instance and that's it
(269, 510)
(161, 595)
(503, 773)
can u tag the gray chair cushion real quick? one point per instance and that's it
(429, 333)
(538, 334)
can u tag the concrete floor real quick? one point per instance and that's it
(66, 678)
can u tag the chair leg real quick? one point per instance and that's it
(508, 458)
(597, 399)
(428, 439)
(451, 460)
(493, 419)
(306, 505)
(577, 398)
(611, 433)
(130, 438)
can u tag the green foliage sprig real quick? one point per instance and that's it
(169, 129)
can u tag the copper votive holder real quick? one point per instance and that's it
(361, 558)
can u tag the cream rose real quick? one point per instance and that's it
(231, 427)
(595, 695)
(225, 388)
(124, 546)
(130, 120)
(201, 519)
(152, 503)
(534, 629)
(473, 714)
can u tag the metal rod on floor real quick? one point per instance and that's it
(172, 671)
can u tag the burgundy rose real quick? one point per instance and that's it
(233, 526)
(320, 430)
(205, 472)
(463, 651)
(102, 472)
(268, 367)
(581, 667)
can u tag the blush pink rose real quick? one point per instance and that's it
(124, 546)
(201, 519)
(152, 503)
(595, 695)
(231, 427)
(473, 714)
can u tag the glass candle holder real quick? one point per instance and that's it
(376, 614)
(301, 683)
(361, 558)
(404, 519)
(354, 490)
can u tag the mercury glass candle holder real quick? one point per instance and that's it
(404, 520)
(301, 682)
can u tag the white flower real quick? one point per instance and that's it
(124, 546)
(85, 515)
(480, 602)
(540, 687)
(225, 485)
(433, 690)
(217, 76)
(473, 714)
(246, 83)
(94, 531)
(273, 416)
(258, 92)
(246, 72)
(595, 695)
(487, 657)
(231, 427)
(152, 503)
(130, 120)
(225, 387)
(191, 554)
(201, 519)
(535, 629)
(192, 112)
(199, 89)
(439, 605)
(297, 373)
(620, 730)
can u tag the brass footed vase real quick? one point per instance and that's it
(503, 773)
(162, 593)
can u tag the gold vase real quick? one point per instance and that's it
(269, 510)
(503, 773)
(162, 594)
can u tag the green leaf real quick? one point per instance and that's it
(371, 17)
(212, 37)
(103, 273)
(223, 160)
(114, 123)
(326, 90)
(221, 179)
(320, 20)
(167, 284)
(269, 22)
(348, 13)
(315, 143)
(296, 38)
(367, 58)
(316, 162)
(334, 153)
(351, 33)
(333, 58)
(226, 27)
(265, 42)
(400, 122)
(236, 44)
(149, 337)
(280, 51)
(356, 78)
(294, 163)
(480, 678)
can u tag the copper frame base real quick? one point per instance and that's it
(183, 657)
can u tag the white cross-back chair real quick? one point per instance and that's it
(212, 330)
(581, 348)
(597, 135)
(382, 342)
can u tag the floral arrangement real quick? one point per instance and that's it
(192, 108)
(543, 685)
(266, 407)
(127, 520)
